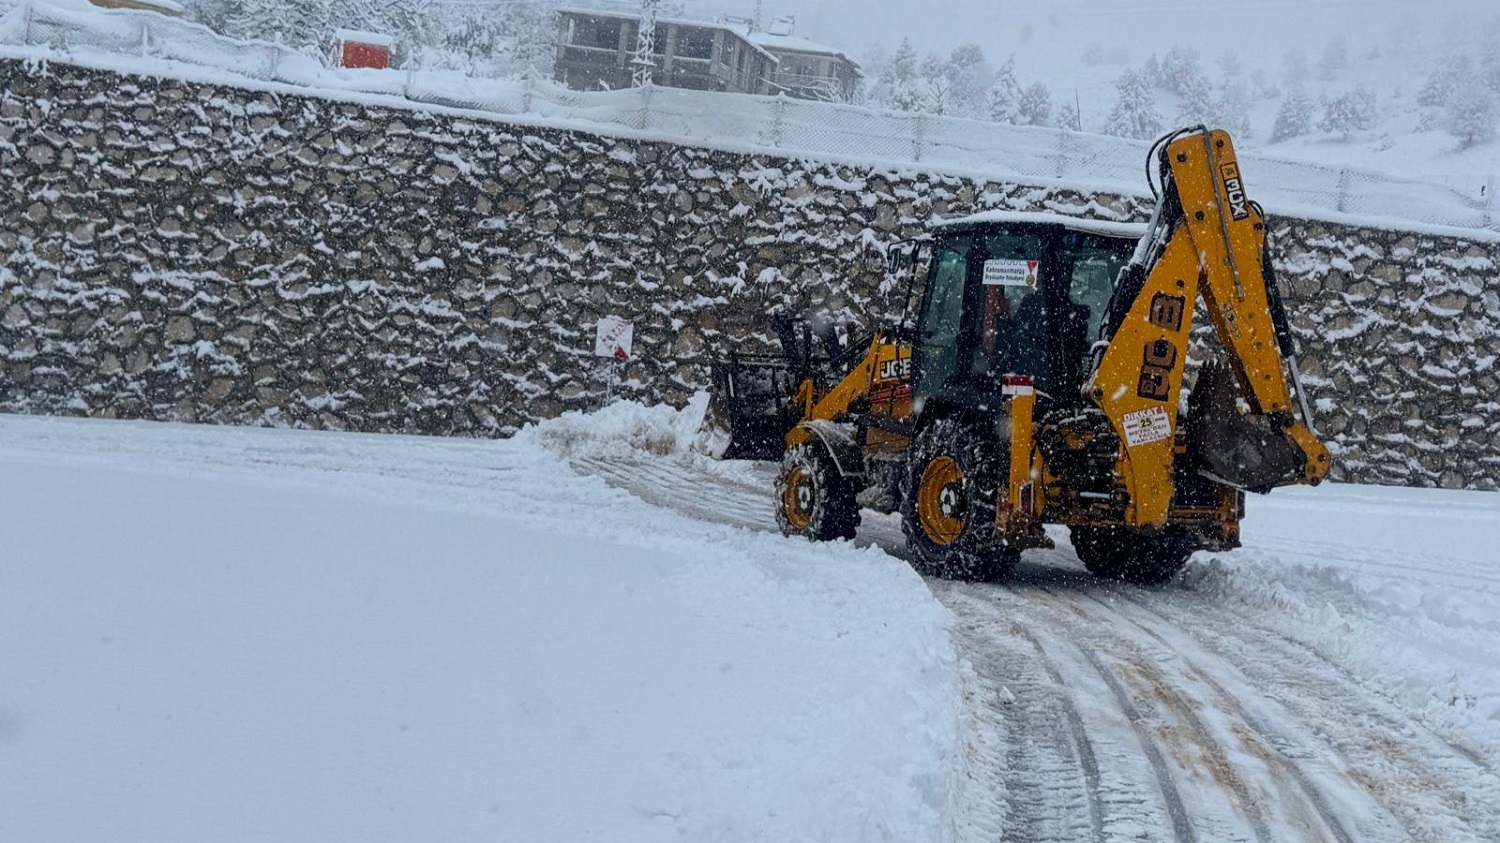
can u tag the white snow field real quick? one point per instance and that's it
(230, 634)
(216, 634)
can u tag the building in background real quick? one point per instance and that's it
(806, 69)
(595, 48)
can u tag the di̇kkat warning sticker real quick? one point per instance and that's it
(1005, 272)
(1145, 426)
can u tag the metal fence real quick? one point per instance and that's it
(1032, 155)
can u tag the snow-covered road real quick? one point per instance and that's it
(1335, 680)
(248, 634)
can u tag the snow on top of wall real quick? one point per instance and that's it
(1131, 231)
(356, 36)
(140, 42)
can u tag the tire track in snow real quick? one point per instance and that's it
(1263, 741)
(1433, 789)
(1050, 760)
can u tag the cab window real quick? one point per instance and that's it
(1012, 309)
(942, 316)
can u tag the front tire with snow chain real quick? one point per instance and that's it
(812, 498)
(1120, 554)
(948, 503)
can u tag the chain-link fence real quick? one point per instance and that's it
(1018, 153)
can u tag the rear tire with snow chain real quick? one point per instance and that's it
(812, 498)
(1120, 554)
(948, 503)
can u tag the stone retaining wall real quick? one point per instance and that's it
(194, 252)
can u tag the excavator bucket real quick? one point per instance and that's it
(1245, 451)
(747, 416)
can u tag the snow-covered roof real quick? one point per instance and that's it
(1130, 230)
(635, 16)
(795, 44)
(165, 5)
(357, 37)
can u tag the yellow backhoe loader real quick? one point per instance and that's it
(1042, 383)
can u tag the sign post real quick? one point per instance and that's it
(613, 340)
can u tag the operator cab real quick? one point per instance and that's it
(1013, 293)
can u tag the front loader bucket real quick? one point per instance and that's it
(747, 416)
(1244, 451)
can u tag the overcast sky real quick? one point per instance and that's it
(1250, 27)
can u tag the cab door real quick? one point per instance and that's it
(940, 326)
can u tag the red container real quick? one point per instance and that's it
(361, 49)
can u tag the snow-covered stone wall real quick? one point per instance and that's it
(184, 251)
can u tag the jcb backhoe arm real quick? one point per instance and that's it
(1205, 238)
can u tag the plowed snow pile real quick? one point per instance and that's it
(227, 634)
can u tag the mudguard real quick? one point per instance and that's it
(840, 440)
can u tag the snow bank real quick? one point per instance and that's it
(621, 428)
(232, 634)
(1395, 587)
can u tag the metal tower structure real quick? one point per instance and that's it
(759, 10)
(644, 62)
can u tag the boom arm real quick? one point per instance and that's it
(1206, 237)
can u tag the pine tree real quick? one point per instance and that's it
(1179, 67)
(1036, 105)
(1349, 113)
(1294, 68)
(1295, 117)
(969, 79)
(1151, 70)
(1472, 113)
(1261, 86)
(899, 80)
(1134, 112)
(1335, 58)
(1005, 94)
(1232, 107)
(1197, 103)
(1231, 65)
(1067, 118)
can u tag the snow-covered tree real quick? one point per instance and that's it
(1335, 58)
(1261, 86)
(1232, 107)
(1348, 113)
(935, 85)
(1134, 112)
(1295, 117)
(309, 24)
(1489, 59)
(1472, 113)
(1446, 78)
(1231, 65)
(1294, 67)
(1005, 94)
(899, 81)
(1197, 100)
(1036, 105)
(1067, 118)
(1181, 70)
(1151, 70)
(1093, 54)
(969, 79)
